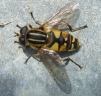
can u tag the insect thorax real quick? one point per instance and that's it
(36, 38)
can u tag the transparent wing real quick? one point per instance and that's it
(58, 73)
(68, 14)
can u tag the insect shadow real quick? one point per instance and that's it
(67, 88)
(64, 84)
(28, 51)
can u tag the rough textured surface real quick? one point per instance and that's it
(17, 79)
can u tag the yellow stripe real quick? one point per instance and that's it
(72, 47)
(73, 40)
(37, 34)
(36, 40)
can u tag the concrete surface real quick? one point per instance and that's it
(17, 79)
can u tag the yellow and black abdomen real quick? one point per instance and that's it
(61, 41)
(36, 38)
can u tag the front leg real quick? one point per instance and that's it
(32, 55)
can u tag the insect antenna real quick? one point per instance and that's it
(18, 26)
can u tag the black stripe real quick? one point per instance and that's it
(39, 32)
(36, 37)
(75, 43)
(36, 42)
(68, 42)
(71, 42)
(60, 41)
(52, 38)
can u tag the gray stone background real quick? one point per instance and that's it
(17, 79)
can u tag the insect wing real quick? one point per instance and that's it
(68, 14)
(58, 73)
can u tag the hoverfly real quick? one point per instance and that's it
(47, 38)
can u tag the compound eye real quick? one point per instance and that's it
(22, 41)
(24, 30)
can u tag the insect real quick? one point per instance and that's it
(3, 24)
(47, 38)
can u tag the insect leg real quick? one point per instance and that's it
(16, 42)
(75, 29)
(34, 19)
(32, 55)
(70, 28)
(16, 34)
(69, 59)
